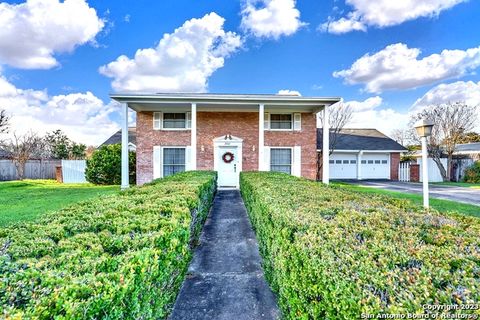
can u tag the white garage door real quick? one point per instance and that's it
(343, 166)
(376, 166)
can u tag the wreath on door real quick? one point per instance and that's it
(228, 157)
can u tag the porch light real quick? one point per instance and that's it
(424, 130)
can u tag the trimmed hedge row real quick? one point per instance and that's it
(122, 256)
(335, 254)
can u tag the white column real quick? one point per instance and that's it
(326, 146)
(425, 172)
(359, 165)
(261, 137)
(194, 137)
(125, 173)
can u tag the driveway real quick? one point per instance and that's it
(453, 193)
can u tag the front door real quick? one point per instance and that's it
(228, 166)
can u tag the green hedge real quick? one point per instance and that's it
(335, 254)
(472, 173)
(122, 256)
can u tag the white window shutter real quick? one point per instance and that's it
(297, 161)
(297, 121)
(188, 118)
(266, 158)
(157, 162)
(188, 158)
(266, 121)
(157, 120)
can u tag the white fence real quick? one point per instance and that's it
(34, 169)
(73, 171)
(434, 174)
(404, 171)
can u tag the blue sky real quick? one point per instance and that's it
(317, 48)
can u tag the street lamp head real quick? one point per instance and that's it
(424, 128)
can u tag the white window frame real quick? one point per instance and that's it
(162, 164)
(270, 121)
(188, 121)
(291, 157)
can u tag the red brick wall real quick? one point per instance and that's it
(147, 138)
(211, 125)
(414, 172)
(394, 163)
(306, 138)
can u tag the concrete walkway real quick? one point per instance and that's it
(453, 193)
(225, 278)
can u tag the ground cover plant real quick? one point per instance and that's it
(121, 256)
(30, 199)
(331, 253)
(438, 204)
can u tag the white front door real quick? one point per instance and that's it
(228, 166)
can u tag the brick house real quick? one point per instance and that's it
(223, 132)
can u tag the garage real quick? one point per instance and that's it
(362, 154)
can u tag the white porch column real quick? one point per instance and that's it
(261, 137)
(326, 146)
(194, 137)
(125, 173)
(359, 165)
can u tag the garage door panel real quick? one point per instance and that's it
(376, 166)
(343, 166)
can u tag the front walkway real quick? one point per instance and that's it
(225, 278)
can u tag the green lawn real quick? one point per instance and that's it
(459, 184)
(29, 199)
(440, 205)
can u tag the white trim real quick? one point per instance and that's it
(125, 183)
(359, 165)
(159, 120)
(193, 139)
(326, 147)
(235, 142)
(292, 122)
(162, 128)
(365, 151)
(157, 162)
(261, 136)
(297, 123)
(297, 161)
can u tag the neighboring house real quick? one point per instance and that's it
(4, 155)
(117, 138)
(223, 132)
(468, 150)
(362, 154)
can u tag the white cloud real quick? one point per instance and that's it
(271, 18)
(398, 67)
(385, 13)
(182, 61)
(31, 33)
(82, 116)
(460, 91)
(371, 114)
(286, 92)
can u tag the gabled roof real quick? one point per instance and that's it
(361, 139)
(117, 137)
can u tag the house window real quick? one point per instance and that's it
(377, 161)
(364, 161)
(370, 161)
(384, 162)
(281, 160)
(173, 161)
(353, 161)
(331, 161)
(174, 120)
(345, 161)
(338, 161)
(281, 121)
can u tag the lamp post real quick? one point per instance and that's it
(424, 130)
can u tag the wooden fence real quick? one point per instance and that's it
(34, 169)
(404, 171)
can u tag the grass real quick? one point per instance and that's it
(438, 204)
(29, 199)
(459, 184)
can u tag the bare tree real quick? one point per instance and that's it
(400, 135)
(451, 121)
(4, 121)
(22, 148)
(339, 116)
